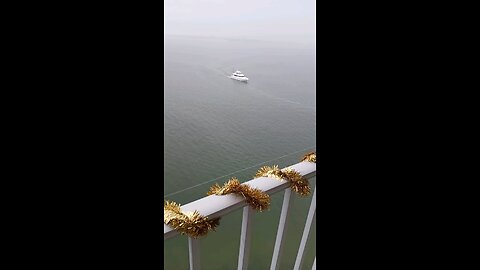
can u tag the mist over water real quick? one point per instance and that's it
(282, 21)
(214, 126)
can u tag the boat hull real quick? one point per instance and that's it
(239, 79)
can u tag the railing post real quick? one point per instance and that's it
(282, 227)
(245, 238)
(194, 253)
(306, 231)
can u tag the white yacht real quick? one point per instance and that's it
(237, 75)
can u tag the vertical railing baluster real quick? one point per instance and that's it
(314, 264)
(306, 231)
(194, 253)
(282, 227)
(245, 238)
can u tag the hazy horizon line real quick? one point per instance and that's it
(200, 36)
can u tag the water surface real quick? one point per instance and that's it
(214, 126)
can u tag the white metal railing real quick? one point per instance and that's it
(215, 206)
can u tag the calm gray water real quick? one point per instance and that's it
(215, 126)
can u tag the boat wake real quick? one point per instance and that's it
(259, 91)
(286, 100)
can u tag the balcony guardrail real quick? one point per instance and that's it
(214, 206)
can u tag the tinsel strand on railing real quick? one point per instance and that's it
(195, 225)
(310, 157)
(190, 223)
(297, 182)
(254, 197)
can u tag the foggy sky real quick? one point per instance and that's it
(274, 20)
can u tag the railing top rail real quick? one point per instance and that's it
(214, 206)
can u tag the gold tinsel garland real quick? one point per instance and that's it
(194, 225)
(190, 223)
(256, 198)
(310, 157)
(297, 182)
